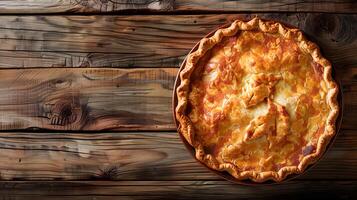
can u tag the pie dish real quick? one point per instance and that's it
(257, 100)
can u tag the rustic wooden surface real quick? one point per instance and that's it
(85, 98)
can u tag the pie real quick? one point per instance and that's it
(257, 99)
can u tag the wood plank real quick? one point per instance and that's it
(87, 99)
(178, 190)
(147, 41)
(94, 99)
(194, 6)
(134, 156)
(339, 6)
(81, 6)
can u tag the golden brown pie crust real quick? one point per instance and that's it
(259, 88)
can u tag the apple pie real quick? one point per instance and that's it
(257, 99)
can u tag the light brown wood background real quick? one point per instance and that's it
(85, 97)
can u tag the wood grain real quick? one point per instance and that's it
(147, 41)
(95, 99)
(177, 190)
(81, 6)
(339, 6)
(133, 156)
(86, 99)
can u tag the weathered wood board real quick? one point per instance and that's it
(86, 99)
(335, 6)
(147, 41)
(174, 6)
(133, 156)
(97, 99)
(104, 190)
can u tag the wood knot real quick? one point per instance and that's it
(109, 173)
(320, 25)
(65, 110)
(61, 83)
(165, 5)
(327, 24)
(332, 27)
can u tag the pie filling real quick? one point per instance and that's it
(258, 101)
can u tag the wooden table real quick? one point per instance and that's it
(85, 97)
